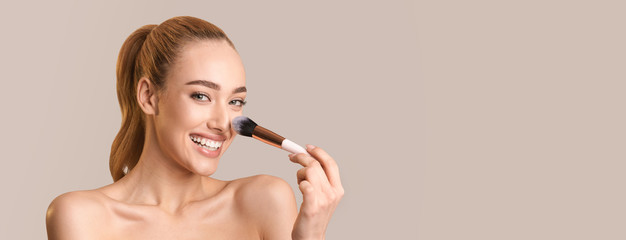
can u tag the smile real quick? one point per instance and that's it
(209, 144)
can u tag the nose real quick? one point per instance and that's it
(218, 120)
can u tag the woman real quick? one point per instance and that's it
(179, 85)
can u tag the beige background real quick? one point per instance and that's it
(450, 119)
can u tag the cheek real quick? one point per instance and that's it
(233, 133)
(188, 115)
(233, 116)
(179, 116)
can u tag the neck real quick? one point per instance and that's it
(161, 181)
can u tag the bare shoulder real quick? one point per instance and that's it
(74, 215)
(263, 190)
(270, 201)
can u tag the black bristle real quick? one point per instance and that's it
(244, 125)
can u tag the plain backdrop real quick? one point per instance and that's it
(449, 119)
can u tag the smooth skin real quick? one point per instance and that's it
(170, 194)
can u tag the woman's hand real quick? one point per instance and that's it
(321, 190)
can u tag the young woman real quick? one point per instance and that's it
(179, 85)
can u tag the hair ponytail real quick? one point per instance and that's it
(148, 52)
(128, 143)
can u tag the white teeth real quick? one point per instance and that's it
(207, 143)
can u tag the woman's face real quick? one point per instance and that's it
(204, 90)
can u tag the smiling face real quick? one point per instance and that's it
(204, 90)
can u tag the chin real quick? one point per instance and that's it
(205, 167)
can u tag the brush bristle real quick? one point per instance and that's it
(244, 125)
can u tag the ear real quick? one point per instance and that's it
(147, 96)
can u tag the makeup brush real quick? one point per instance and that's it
(246, 127)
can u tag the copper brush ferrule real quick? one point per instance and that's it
(267, 136)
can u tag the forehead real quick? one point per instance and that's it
(211, 60)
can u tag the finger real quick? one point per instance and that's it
(315, 175)
(328, 164)
(301, 175)
(303, 159)
(308, 192)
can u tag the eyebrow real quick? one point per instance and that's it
(240, 89)
(215, 86)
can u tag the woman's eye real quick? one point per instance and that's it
(238, 103)
(200, 97)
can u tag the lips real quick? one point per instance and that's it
(208, 145)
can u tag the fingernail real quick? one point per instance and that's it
(309, 147)
(291, 155)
